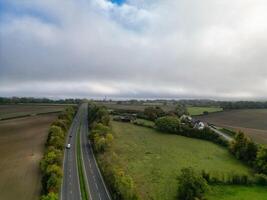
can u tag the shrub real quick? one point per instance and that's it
(244, 149)
(168, 124)
(261, 179)
(52, 160)
(152, 113)
(50, 196)
(191, 185)
(261, 160)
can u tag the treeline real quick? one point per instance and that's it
(18, 100)
(243, 105)
(120, 184)
(172, 124)
(51, 163)
(244, 149)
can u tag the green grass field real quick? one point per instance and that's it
(145, 122)
(237, 193)
(193, 110)
(154, 159)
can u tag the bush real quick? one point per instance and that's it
(168, 124)
(152, 113)
(51, 162)
(261, 160)
(191, 185)
(261, 179)
(244, 149)
(50, 196)
(120, 184)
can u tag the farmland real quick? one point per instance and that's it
(20, 110)
(135, 107)
(155, 159)
(251, 121)
(21, 148)
(194, 110)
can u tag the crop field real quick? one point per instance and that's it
(194, 110)
(21, 148)
(251, 121)
(155, 159)
(12, 111)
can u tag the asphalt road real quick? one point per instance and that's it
(226, 137)
(70, 189)
(95, 184)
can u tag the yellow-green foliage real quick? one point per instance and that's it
(51, 162)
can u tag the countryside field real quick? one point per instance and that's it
(194, 110)
(155, 159)
(251, 121)
(139, 107)
(10, 111)
(21, 148)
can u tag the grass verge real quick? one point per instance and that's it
(83, 188)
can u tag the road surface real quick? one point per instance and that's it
(94, 182)
(70, 189)
(225, 136)
(97, 188)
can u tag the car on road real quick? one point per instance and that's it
(68, 146)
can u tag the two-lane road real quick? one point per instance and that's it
(70, 189)
(97, 188)
(94, 182)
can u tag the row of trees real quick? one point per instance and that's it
(51, 163)
(246, 150)
(154, 112)
(17, 100)
(172, 124)
(120, 184)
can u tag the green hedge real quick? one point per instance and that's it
(171, 124)
(120, 185)
(51, 163)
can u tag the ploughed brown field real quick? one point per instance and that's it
(251, 121)
(10, 111)
(21, 148)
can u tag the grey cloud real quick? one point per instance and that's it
(182, 49)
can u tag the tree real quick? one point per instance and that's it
(181, 110)
(243, 148)
(50, 196)
(192, 186)
(168, 124)
(152, 113)
(261, 160)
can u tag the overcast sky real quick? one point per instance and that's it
(134, 49)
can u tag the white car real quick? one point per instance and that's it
(68, 146)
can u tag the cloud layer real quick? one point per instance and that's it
(153, 49)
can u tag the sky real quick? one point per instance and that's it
(134, 49)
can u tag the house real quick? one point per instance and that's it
(186, 119)
(199, 125)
